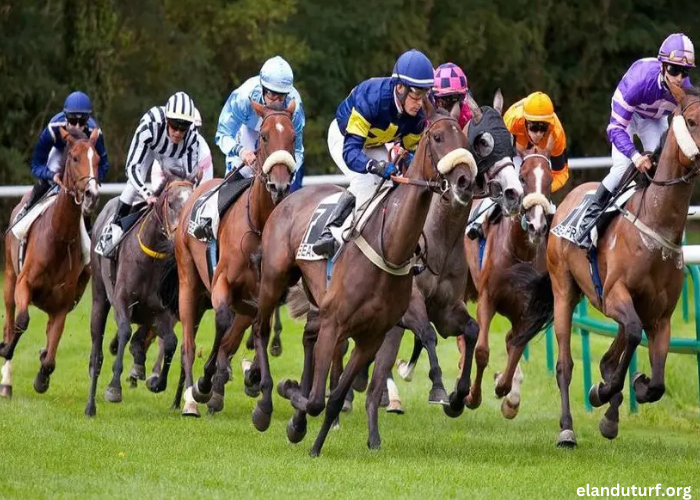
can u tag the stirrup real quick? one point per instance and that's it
(326, 246)
(474, 231)
(204, 230)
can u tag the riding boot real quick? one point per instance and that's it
(41, 186)
(326, 244)
(112, 234)
(204, 230)
(600, 200)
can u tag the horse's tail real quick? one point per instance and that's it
(535, 290)
(169, 288)
(298, 304)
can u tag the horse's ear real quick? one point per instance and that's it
(291, 107)
(465, 130)
(678, 92)
(456, 111)
(65, 135)
(475, 109)
(550, 145)
(498, 101)
(94, 136)
(259, 108)
(428, 107)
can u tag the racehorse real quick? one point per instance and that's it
(364, 299)
(54, 274)
(640, 264)
(145, 258)
(234, 284)
(511, 241)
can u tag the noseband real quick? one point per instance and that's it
(77, 192)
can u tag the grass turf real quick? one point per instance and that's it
(141, 449)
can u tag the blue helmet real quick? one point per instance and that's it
(77, 103)
(276, 75)
(414, 69)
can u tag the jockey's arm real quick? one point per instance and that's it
(104, 160)
(232, 117)
(559, 159)
(137, 153)
(40, 169)
(299, 121)
(192, 156)
(624, 101)
(355, 136)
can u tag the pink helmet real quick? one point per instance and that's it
(449, 80)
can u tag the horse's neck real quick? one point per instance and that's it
(152, 234)
(65, 220)
(444, 228)
(260, 204)
(516, 241)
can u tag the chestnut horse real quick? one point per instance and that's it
(234, 285)
(511, 241)
(640, 263)
(134, 287)
(54, 275)
(363, 299)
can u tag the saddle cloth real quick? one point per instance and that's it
(323, 212)
(21, 228)
(570, 226)
(213, 203)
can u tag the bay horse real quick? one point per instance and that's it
(363, 300)
(134, 285)
(511, 241)
(54, 275)
(234, 285)
(640, 264)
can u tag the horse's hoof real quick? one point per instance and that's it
(199, 396)
(284, 386)
(261, 420)
(384, 401)
(508, 409)
(395, 407)
(404, 369)
(472, 402)
(152, 384)
(113, 394)
(5, 391)
(133, 382)
(295, 435)
(640, 382)
(608, 428)
(567, 439)
(275, 350)
(347, 406)
(360, 383)
(374, 443)
(90, 410)
(594, 395)
(138, 372)
(41, 384)
(438, 396)
(190, 410)
(314, 452)
(216, 403)
(4, 348)
(452, 413)
(252, 392)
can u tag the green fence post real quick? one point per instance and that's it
(686, 314)
(549, 342)
(633, 396)
(586, 348)
(695, 275)
(526, 353)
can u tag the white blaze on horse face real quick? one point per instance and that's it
(508, 177)
(92, 160)
(279, 127)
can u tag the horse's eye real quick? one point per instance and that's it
(437, 136)
(264, 137)
(75, 159)
(522, 180)
(691, 122)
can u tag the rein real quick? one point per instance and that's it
(161, 217)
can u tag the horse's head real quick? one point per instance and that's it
(80, 164)
(686, 127)
(443, 155)
(275, 154)
(492, 145)
(536, 178)
(172, 195)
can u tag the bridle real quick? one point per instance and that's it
(77, 192)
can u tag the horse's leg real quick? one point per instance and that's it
(113, 393)
(165, 324)
(619, 306)
(9, 331)
(363, 352)
(98, 321)
(609, 424)
(382, 367)
(296, 428)
(650, 391)
(276, 346)
(188, 305)
(54, 330)
(21, 299)
(114, 345)
(158, 362)
(138, 351)
(228, 347)
(484, 314)
(508, 383)
(407, 368)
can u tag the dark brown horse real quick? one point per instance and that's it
(134, 285)
(511, 241)
(234, 285)
(640, 261)
(54, 275)
(363, 300)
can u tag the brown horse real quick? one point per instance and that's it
(363, 300)
(53, 276)
(234, 284)
(511, 241)
(640, 261)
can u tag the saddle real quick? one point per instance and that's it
(214, 203)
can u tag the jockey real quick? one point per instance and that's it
(166, 133)
(205, 165)
(450, 87)
(46, 160)
(533, 122)
(377, 111)
(640, 106)
(239, 126)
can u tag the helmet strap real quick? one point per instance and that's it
(401, 96)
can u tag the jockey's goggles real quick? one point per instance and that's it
(179, 125)
(674, 70)
(274, 96)
(417, 93)
(80, 120)
(537, 126)
(448, 101)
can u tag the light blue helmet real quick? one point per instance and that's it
(276, 75)
(77, 103)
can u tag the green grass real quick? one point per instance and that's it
(141, 449)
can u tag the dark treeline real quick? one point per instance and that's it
(132, 54)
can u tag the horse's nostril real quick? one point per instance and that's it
(511, 194)
(463, 182)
